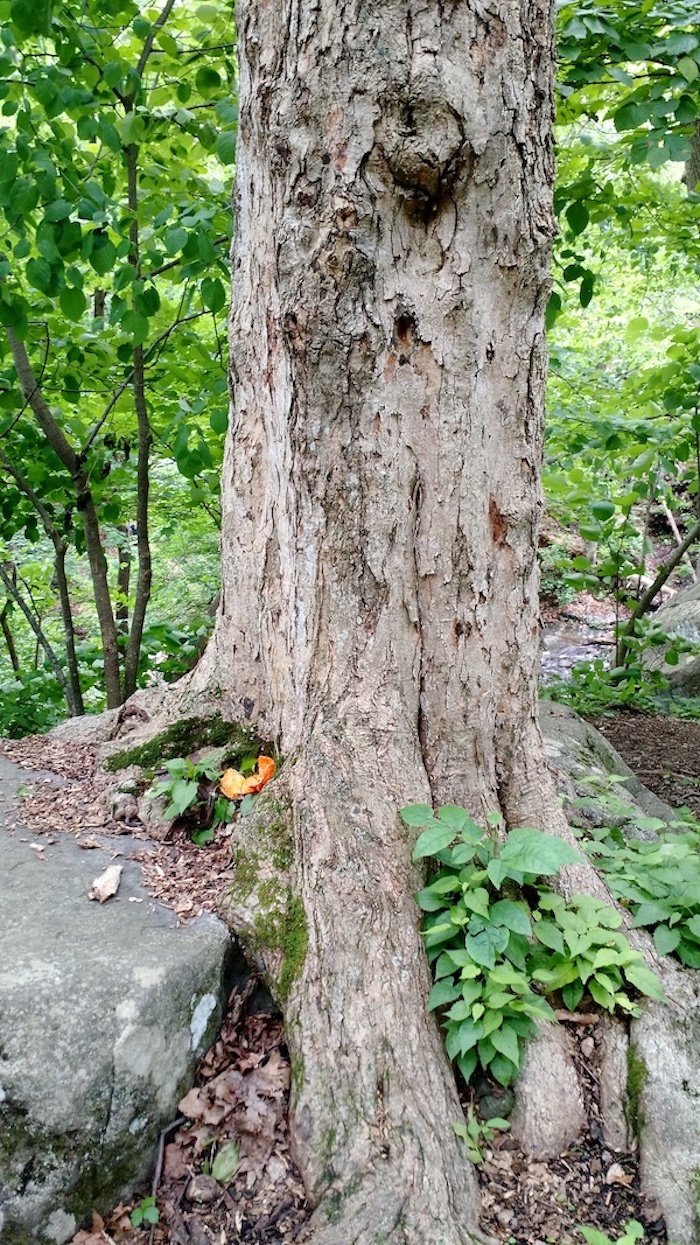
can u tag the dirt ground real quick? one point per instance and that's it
(237, 1109)
(664, 753)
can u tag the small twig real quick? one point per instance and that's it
(679, 539)
(159, 1164)
(170, 1128)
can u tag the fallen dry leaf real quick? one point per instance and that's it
(617, 1175)
(107, 884)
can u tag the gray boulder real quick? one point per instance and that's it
(583, 763)
(679, 617)
(104, 1011)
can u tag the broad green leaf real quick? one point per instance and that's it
(666, 940)
(602, 510)
(445, 991)
(58, 210)
(218, 421)
(503, 1069)
(506, 1041)
(207, 80)
(645, 981)
(650, 914)
(533, 851)
(550, 935)
(513, 915)
(485, 945)
(214, 297)
(689, 68)
(417, 815)
(466, 1064)
(604, 998)
(432, 841)
(226, 1163)
(578, 216)
(454, 816)
(73, 302)
(226, 147)
(572, 995)
(32, 16)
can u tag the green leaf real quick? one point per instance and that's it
(456, 817)
(533, 851)
(497, 870)
(630, 116)
(645, 981)
(175, 239)
(650, 914)
(486, 944)
(136, 325)
(218, 421)
(578, 216)
(226, 146)
(502, 1069)
(226, 1163)
(665, 939)
(689, 68)
(103, 254)
(506, 1041)
(602, 510)
(214, 295)
(572, 995)
(207, 80)
(432, 841)
(550, 935)
(467, 1063)
(73, 302)
(512, 915)
(32, 17)
(417, 815)
(603, 997)
(445, 991)
(58, 210)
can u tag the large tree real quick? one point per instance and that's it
(379, 618)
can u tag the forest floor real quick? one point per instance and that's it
(238, 1105)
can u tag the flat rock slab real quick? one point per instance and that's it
(104, 1011)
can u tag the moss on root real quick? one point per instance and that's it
(636, 1078)
(183, 738)
(281, 926)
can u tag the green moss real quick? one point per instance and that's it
(282, 927)
(636, 1078)
(99, 1178)
(275, 832)
(183, 738)
(246, 866)
(333, 1207)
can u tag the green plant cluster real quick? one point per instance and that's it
(145, 1213)
(191, 784)
(659, 882)
(592, 688)
(633, 1232)
(475, 1132)
(184, 791)
(499, 938)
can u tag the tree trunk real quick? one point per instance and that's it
(379, 618)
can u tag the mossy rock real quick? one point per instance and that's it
(185, 737)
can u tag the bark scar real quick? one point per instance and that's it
(499, 527)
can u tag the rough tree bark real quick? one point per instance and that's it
(379, 618)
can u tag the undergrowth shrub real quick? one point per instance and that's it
(499, 939)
